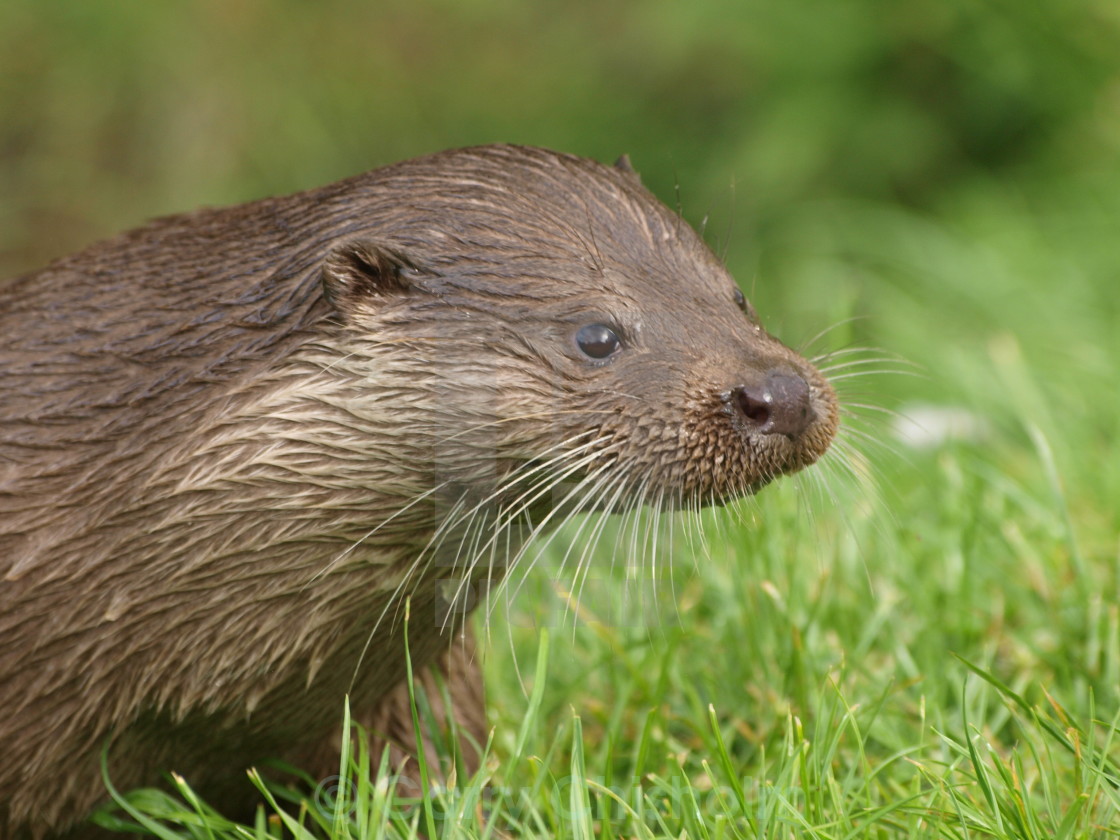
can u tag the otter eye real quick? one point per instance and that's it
(598, 341)
(745, 305)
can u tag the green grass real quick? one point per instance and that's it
(927, 648)
(932, 664)
(931, 651)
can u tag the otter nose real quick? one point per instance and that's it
(778, 406)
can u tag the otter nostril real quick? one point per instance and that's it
(753, 406)
(779, 406)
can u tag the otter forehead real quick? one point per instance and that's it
(508, 218)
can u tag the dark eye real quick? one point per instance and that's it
(598, 341)
(745, 305)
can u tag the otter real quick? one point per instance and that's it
(235, 444)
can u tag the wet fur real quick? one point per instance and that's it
(232, 442)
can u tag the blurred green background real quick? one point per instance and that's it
(936, 179)
(944, 172)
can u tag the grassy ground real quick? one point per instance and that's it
(920, 639)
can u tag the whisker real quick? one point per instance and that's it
(804, 346)
(404, 509)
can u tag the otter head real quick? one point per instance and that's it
(566, 329)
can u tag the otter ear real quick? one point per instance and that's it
(365, 271)
(623, 164)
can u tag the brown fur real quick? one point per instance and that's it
(232, 442)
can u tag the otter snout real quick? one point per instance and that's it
(779, 405)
